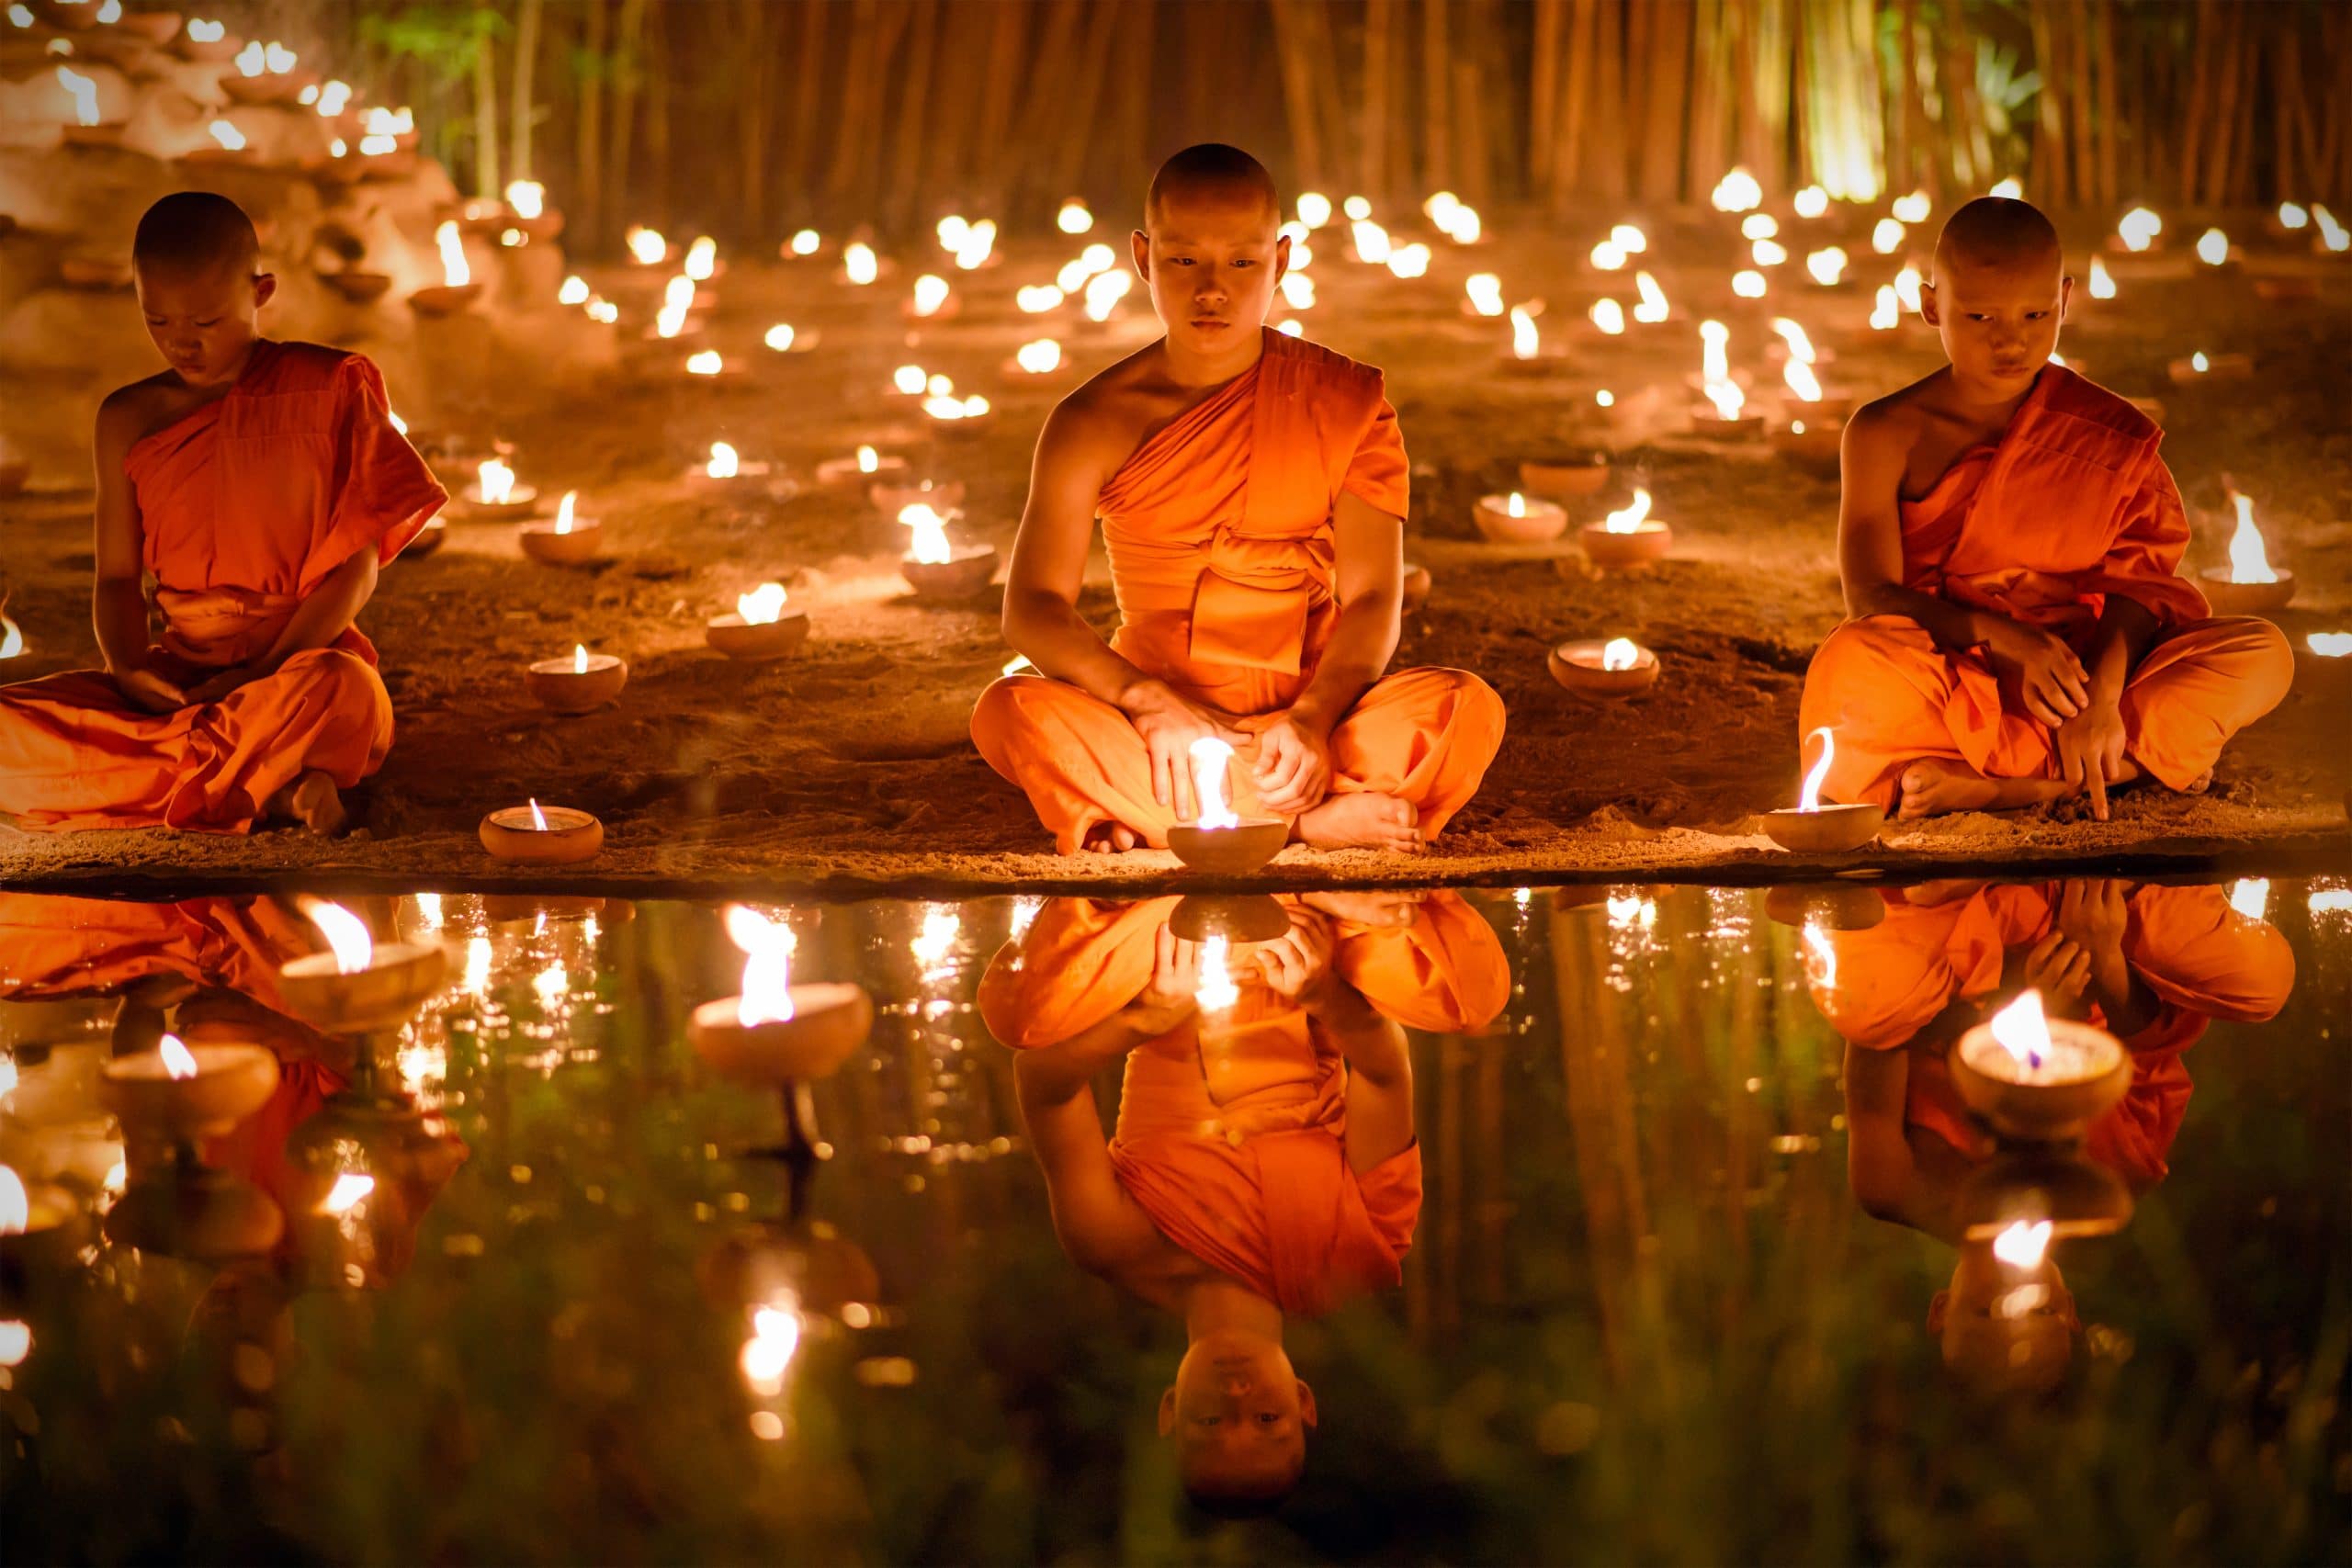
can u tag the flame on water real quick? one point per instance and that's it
(724, 464)
(2023, 1031)
(2139, 228)
(538, 820)
(859, 262)
(1826, 266)
(528, 198)
(1912, 209)
(1809, 793)
(2012, 187)
(1887, 237)
(1609, 316)
(16, 1203)
(231, 139)
(1800, 346)
(1486, 292)
(179, 1062)
(12, 639)
(495, 481)
(702, 258)
(805, 242)
(1737, 192)
(1073, 218)
(455, 273)
(573, 292)
(2332, 235)
(1653, 307)
(1370, 242)
(2249, 562)
(1209, 756)
(1314, 208)
(2102, 280)
(2329, 901)
(647, 246)
(931, 293)
(767, 947)
(931, 945)
(2250, 896)
(767, 1355)
(1040, 356)
(345, 933)
(1811, 202)
(350, 1189)
(2213, 247)
(762, 605)
(1035, 300)
(85, 95)
(1216, 989)
(1887, 314)
(930, 546)
(2024, 1244)
(1800, 377)
(1524, 341)
(1628, 519)
(2327, 645)
(1620, 653)
(1609, 255)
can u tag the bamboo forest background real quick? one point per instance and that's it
(751, 116)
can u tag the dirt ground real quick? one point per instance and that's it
(850, 764)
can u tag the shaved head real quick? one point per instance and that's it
(1998, 234)
(195, 232)
(1212, 174)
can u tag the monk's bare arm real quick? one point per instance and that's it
(1370, 559)
(118, 606)
(1870, 534)
(1041, 618)
(1380, 1074)
(1879, 1165)
(1098, 1224)
(329, 610)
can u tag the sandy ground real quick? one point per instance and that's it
(850, 764)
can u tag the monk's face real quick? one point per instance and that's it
(204, 320)
(1238, 1415)
(1211, 257)
(1999, 320)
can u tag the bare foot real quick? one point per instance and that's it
(1361, 820)
(313, 801)
(1111, 839)
(2199, 785)
(1931, 786)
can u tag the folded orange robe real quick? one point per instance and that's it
(1221, 544)
(2072, 505)
(246, 505)
(2201, 958)
(1232, 1128)
(57, 945)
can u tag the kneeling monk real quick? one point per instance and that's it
(2011, 546)
(1253, 489)
(263, 485)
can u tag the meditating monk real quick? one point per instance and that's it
(263, 485)
(1264, 1160)
(2019, 627)
(1251, 488)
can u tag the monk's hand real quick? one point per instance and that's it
(1295, 959)
(2060, 968)
(145, 689)
(2090, 751)
(1167, 997)
(2038, 672)
(2093, 913)
(1170, 724)
(222, 683)
(1294, 772)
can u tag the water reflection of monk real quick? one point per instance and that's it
(1264, 1160)
(2150, 965)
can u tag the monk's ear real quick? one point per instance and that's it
(1305, 1402)
(1167, 1411)
(2065, 294)
(1928, 311)
(1282, 257)
(264, 288)
(1140, 244)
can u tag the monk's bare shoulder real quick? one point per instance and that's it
(1095, 423)
(130, 411)
(1882, 431)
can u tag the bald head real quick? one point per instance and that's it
(1998, 234)
(194, 231)
(1214, 174)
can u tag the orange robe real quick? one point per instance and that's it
(246, 505)
(2072, 505)
(1223, 566)
(1232, 1129)
(2201, 958)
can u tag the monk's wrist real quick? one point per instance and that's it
(1143, 695)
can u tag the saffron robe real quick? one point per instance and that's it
(246, 505)
(2201, 958)
(1231, 1131)
(1221, 554)
(2071, 505)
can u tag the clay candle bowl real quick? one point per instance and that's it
(2209, 367)
(727, 471)
(1627, 538)
(759, 628)
(185, 1095)
(1617, 668)
(1240, 919)
(1518, 519)
(359, 288)
(2039, 1080)
(1416, 585)
(1811, 827)
(2229, 597)
(777, 1031)
(567, 541)
(963, 575)
(1218, 842)
(494, 497)
(444, 298)
(867, 467)
(541, 835)
(891, 498)
(1565, 479)
(428, 540)
(39, 1227)
(1813, 441)
(94, 136)
(581, 684)
(361, 984)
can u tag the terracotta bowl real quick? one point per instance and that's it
(96, 138)
(401, 979)
(1544, 521)
(1577, 667)
(1229, 851)
(1566, 479)
(1648, 542)
(581, 545)
(429, 539)
(1837, 906)
(521, 504)
(1816, 446)
(1416, 588)
(2246, 598)
(2038, 1113)
(829, 1022)
(2077, 1195)
(570, 836)
(442, 300)
(729, 634)
(213, 52)
(1745, 428)
(1237, 917)
(569, 692)
(964, 576)
(359, 288)
(1832, 829)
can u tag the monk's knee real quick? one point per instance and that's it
(1478, 713)
(2263, 660)
(344, 680)
(1008, 715)
(1848, 671)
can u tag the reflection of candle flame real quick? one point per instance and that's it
(2249, 562)
(932, 946)
(723, 463)
(1628, 519)
(1809, 794)
(2250, 896)
(350, 1189)
(2024, 1244)
(179, 1062)
(1209, 756)
(345, 933)
(1619, 653)
(762, 605)
(767, 1354)
(1523, 340)
(1801, 380)
(2023, 1031)
(455, 273)
(1216, 991)
(767, 946)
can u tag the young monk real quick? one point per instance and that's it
(263, 485)
(2010, 542)
(1265, 1163)
(1251, 488)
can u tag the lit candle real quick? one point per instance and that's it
(1616, 668)
(1518, 519)
(2250, 586)
(2202, 366)
(933, 568)
(1043, 356)
(2039, 1078)
(360, 984)
(2213, 247)
(1737, 192)
(1485, 294)
(1628, 537)
(12, 639)
(1826, 266)
(580, 683)
(1811, 202)
(1814, 827)
(1653, 307)
(496, 495)
(569, 540)
(2102, 281)
(541, 835)
(457, 287)
(863, 469)
(760, 628)
(1219, 840)
(777, 1031)
(185, 1096)
(859, 263)
(804, 242)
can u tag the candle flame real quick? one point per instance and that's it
(1486, 292)
(563, 511)
(16, 1204)
(868, 459)
(767, 946)
(1906, 286)
(350, 1189)
(2024, 1244)
(1524, 341)
(805, 242)
(2213, 247)
(84, 92)
(1653, 307)
(539, 818)
(1727, 398)
(1826, 266)
(723, 463)
(1620, 653)
(1314, 208)
(1039, 357)
(1737, 192)
(702, 258)
(929, 547)
(1800, 346)
(1809, 793)
(931, 293)
(1628, 519)
(1748, 283)
(2249, 562)
(706, 363)
(1800, 377)
(202, 31)
(1372, 242)
(12, 639)
(1608, 255)
(1103, 292)
(1209, 757)
(1912, 209)
(231, 139)
(347, 934)
(1609, 316)
(2250, 896)
(527, 198)
(1035, 300)
(1811, 202)
(179, 1062)
(2198, 363)
(1073, 218)
(573, 292)
(2139, 228)
(1769, 253)
(1515, 505)
(2333, 234)
(2102, 280)
(780, 337)
(2022, 1030)
(495, 482)
(1715, 340)
(2292, 216)
(579, 658)
(647, 246)
(860, 263)
(1886, 238)
(762, 605)
(1886, 314)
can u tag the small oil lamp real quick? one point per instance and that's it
(759, 630)
(932, 300)
(40, 1227)
(2204, 366)
(1482, 295)
(1566, 478)
(711, 367)
(775, 1031)
(207, 42)
(727, 469)
(933, 568)
(183, 1095)
(1627, 536)
(567, 541)
(1529, 354)
(1827, 268)
(893, 496)
(2036, 1078)
(1729, 418)
(952, 415)
(1415, 589)
(1812, 828)
(786, 338)
(458, 288)
(866, 466)
(85, 129)
(1518, 519)
(2250, 586)
(1219, 842)
(533, 834)
(359, 986)
(228, 146)
(1617, 668)
(581, 684)
(1817, 431)
(1043, 356)
(494, 496)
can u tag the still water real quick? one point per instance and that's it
(1632, 1223)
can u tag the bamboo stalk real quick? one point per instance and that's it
(1437, 83)
(1298, 95)
(519, 116)
(485, 79)
(1544, 91)
(1567, 157)
(1668, 95)
(914, 103)
(588, 138)
(1372, 136)
(628, 38)
(2109, 192)
(657, 111)
(807, 95)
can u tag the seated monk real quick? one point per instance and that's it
(1251, 488)
(1264, 1161)
(263, 485)
(2153, 965)
(2019, 627)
